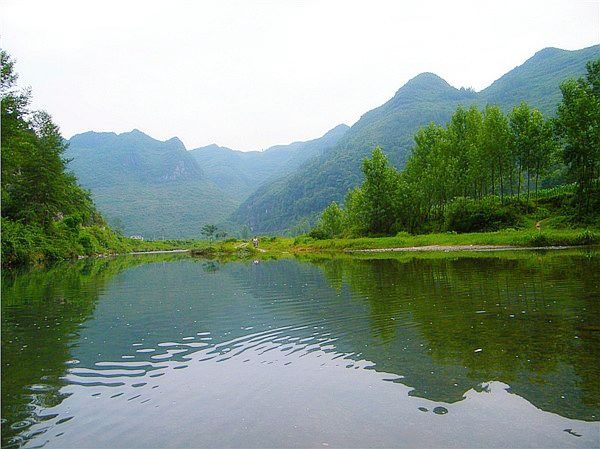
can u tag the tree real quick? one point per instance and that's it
(379, 188)
(543, 147)
(520, 124)
(36, 187)
(331, 223)
(357, 219)
(496, 145)
(533, 144)
(578, 124)
(209, 231)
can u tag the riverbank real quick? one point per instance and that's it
(487, 241)
(278, 247)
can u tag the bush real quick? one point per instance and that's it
(487, 214)
(30, 244)
(21, 244)
(303, 240)
(539, 240)
(587, 237)
(331, 223)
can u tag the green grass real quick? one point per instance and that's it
(518, 238)
(31, 246)
(282, 246)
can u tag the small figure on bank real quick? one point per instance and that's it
(255, 242)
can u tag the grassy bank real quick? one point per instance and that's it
(28, 245)
(280, 246)
(517, 238)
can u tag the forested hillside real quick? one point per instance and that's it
(145, 186)
(160, 190)
(240, 173)
(483, 172)
(299, 197)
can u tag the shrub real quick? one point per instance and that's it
(587, 237)
(21, 244)
(539, 240)
(487, 214)
(330, 224)
(303, 240)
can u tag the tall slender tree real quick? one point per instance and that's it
(578, 123)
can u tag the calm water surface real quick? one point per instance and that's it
(488, 350)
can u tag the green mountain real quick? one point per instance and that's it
(241, 173)
(160, 190)
(299, 197)
(145, 186)
(536, 81)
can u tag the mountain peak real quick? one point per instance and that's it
(338, 128)
(547, 53)
(427, 80)
(425, 86)
(134, 133)
(175, 142)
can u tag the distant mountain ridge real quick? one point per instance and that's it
(133, 155)
(299, 197)
(159, 189)
(244, 171)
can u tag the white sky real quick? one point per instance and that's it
(251, 74)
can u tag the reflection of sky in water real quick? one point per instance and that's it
(292, 354)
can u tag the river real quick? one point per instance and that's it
(408, 350)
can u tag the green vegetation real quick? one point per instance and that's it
(160, 190)
(147, 187)
(478, 172)
(517, 238)
(281, 247)
(46, 215)
(579, 124)
(240, 173)
(297, 199)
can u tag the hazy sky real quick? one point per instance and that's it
(251, 74)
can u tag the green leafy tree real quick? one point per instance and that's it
(520, 126)
(36, 187)
(209, 231)
(45, 213)
(496, 147)
(578, 123)
(357, 219)
(543, 149)
(379, 187)
(533, 144)
(331, 224)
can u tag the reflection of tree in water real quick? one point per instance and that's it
(41, 315)
(532, 319)
(211, 266)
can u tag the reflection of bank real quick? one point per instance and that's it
(42, 316)
(426, 318)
